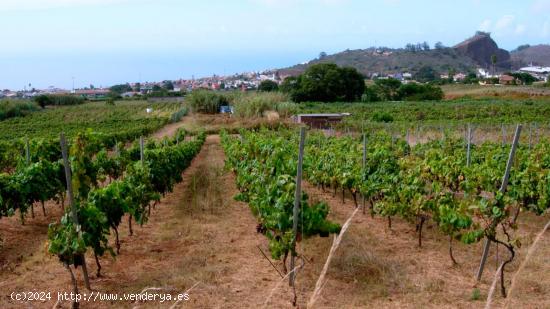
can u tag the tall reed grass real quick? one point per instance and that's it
(257, 104)
(16, 108)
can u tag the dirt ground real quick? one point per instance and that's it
(200, 238)
(197, 235)
(169, 129)
(376, 267)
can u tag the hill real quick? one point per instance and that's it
(537, 55)
(463, 57)
(391, 61)
(480, 48)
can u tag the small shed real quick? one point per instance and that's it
(226, 109)
(320, 121)
(506, 79)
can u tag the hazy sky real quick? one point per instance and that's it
(102, 42)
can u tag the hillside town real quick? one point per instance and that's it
(251, 81)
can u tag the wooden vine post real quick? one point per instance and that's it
(296, 210)
(365, 166)
(141, 157)
(27, 151)
(503, 135)
(469, 141)
(502, 189)
(530, 137)
(537, 136)
(72, 205)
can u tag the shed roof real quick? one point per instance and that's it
(321, 115)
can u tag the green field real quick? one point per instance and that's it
(125, 117)
(481, 112)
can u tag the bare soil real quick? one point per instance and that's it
(169, 129)
(185, 242)
(378, 267)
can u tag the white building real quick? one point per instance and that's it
(540, 73)
(484, 73)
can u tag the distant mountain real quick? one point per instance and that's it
(475, 52)
(538, 55)
(481, 47)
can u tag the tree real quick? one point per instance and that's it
(157, 88)
(322, 55)
(419, 92)
(387, 89)
(354, 84)
(471, 78)
(120, 89)
(425, 46)
(452, 73)
(522, 47)
(168, 85)
(439, 45)
(410, 47)
(268, 86)
(137, 87)
(494, 62)
(43, 100)
(370, 95)
(325, 82)
(426, 74)
(524, 78)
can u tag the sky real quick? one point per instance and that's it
(104, 42)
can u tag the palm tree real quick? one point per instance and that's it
(494, 62)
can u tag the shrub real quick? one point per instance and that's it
(382, 117)
(286, 109)
(418, 92)
(178, 115)
(256, 104)
(11, 108)
(370, 95)
(58, 100)
(387, 89)
(206, 101)
(268, 86)
(476, 294)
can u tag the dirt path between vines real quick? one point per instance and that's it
(198, 234)
(169, 129)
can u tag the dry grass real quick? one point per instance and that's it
(479, 91)
(371, 272)
(213, 124)
(205, 191)
(381, 268)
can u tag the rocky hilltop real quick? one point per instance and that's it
(481, 47)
